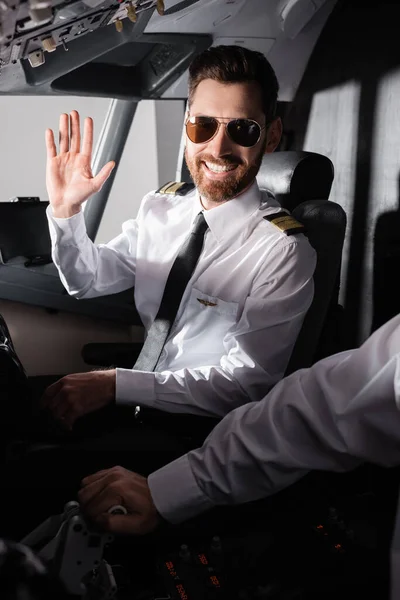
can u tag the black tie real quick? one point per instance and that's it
(178, 278)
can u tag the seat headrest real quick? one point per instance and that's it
(294, 177)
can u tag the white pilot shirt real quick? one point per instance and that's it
(240, 313)
(341, 412)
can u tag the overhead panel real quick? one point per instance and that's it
(295, 14)
(259, 44)
(203, 16)
(52, 46)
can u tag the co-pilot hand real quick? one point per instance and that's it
(118, 486)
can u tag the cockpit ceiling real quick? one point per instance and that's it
(134, 49)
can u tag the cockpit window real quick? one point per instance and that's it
(22, 149)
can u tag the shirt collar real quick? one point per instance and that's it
(227, 218)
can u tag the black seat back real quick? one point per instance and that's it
(14, 386)
(296, 177)
(325, 224)
(302, 181)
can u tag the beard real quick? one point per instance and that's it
(220, 191)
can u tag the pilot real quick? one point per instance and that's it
(222, 281)
(334, 416)
(242, 298)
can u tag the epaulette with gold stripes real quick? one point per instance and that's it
(179, 188)
(286, 223)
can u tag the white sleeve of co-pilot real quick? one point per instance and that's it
(88, 270)
(343, 411)
(257, 349)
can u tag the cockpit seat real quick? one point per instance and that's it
(301, 182)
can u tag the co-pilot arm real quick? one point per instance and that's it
(338, 414)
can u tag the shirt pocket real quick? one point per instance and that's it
(200, 330)
(206, 320)
(210, 306)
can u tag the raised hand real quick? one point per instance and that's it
(69, 176)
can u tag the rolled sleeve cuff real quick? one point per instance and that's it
(70, 230)
(134, 387)
(176, 493)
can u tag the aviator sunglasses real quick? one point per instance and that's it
(244, 132)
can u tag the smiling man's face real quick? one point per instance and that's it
(220, 168)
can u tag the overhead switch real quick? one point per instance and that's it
(131, 11)
(36, 58)
(49, 44)
(160, 7)
(40, 11)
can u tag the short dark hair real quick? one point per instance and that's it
(234, 64)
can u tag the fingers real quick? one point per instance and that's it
(69, 135)
(101, 493)
(87, 142)
(102, 498)
(55, 401)
(50, 393)
(89, 491)
(95, 477)
(97, 481)
(75, 144)
(102, 176)
(68, 419)
(64, 133)
(111, 487)
(57, 408)
(102, 490)
(87, 494)
(50, 144)
(62, 412)
(124, 524)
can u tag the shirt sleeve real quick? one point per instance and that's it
(257, 348)
(88, 270)
(334, 416)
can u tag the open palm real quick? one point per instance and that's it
(69, 176)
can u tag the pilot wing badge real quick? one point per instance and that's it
(206, 302)
(179, 188)
(286, 223)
